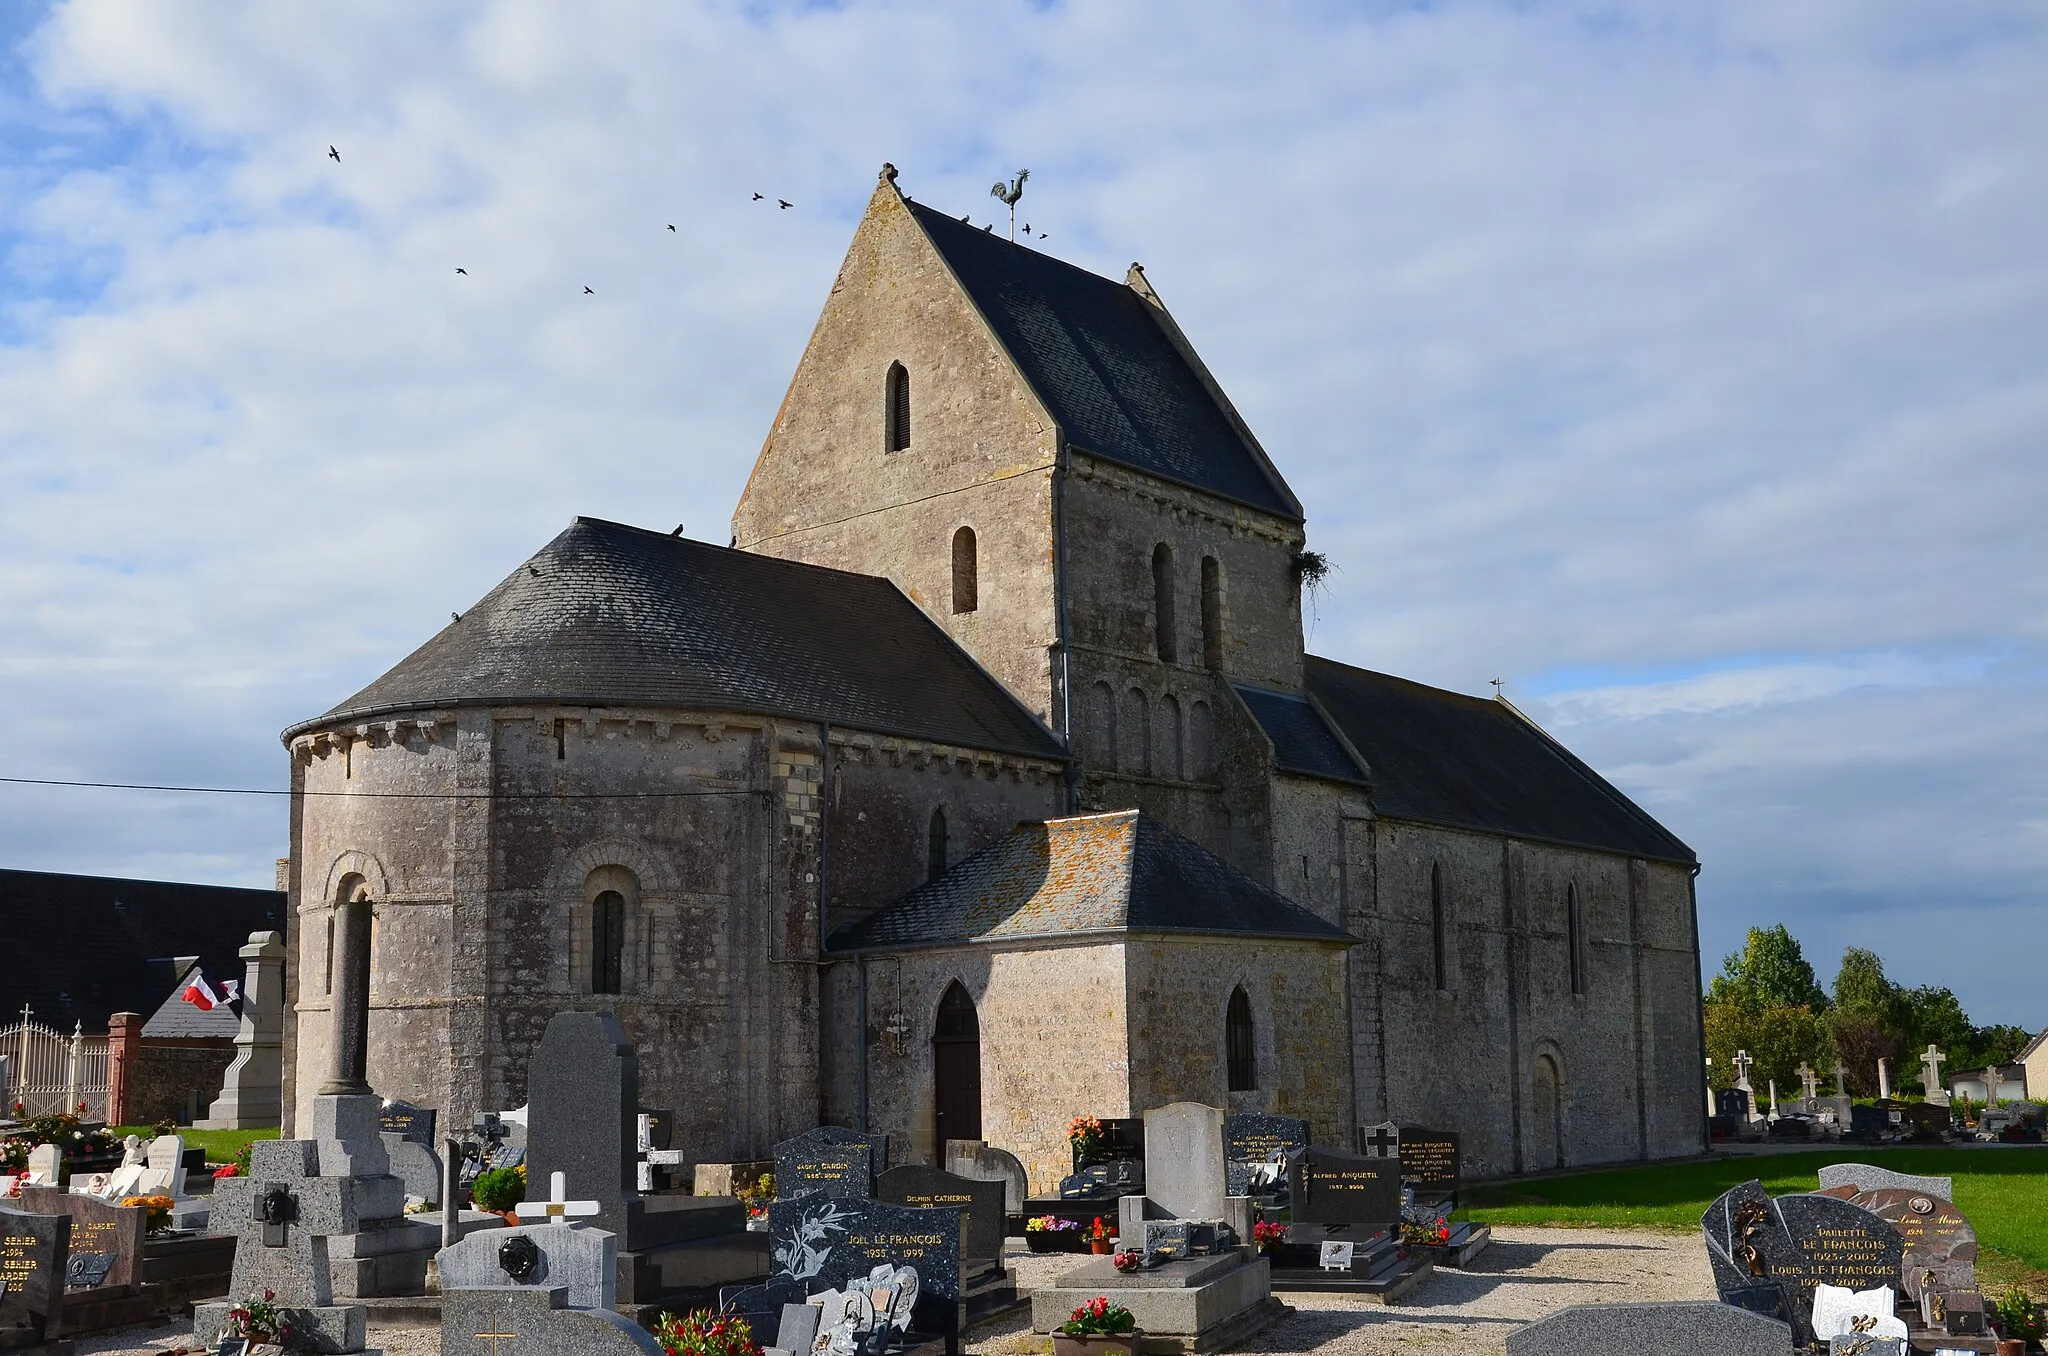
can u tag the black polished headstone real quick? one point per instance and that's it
(1429, 1162)
(1168, 1240)
(831, 1159)
(761, 1306)
(1732, 1103)
(1796, 1243)
(1328, 1187)
(402, 1118)
(1251, 1138)
(583, 1089)
(979, 1201)
(34, 1255)
(821, 1242)
(1122, 1137)
(1105, 1181)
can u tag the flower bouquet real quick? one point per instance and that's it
(159, 1208)
(1049, 1233)
(703, 1333)
(1086, 1135)
(259, 1321)
(1266, 1234)
(1430, 1234)
(1130, 1259)
(1097, 1328)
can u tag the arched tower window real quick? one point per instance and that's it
(1201, 743)
(1575, 938)
(1436, 924)
(935, 846)
(1212, 612)
(608, 942)
(1162, 601)
(1172, 748)
(966, 572)
(896, 410)
(1237, 1040)
(1137, 733)
(956, 1068)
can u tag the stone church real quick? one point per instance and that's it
(983, 781)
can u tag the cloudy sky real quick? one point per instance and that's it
(1685, 366)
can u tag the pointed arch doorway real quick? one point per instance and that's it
(956, 1070)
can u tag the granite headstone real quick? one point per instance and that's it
(821, 1242)
(980, 1204)
(400, 1117)
(1184, 1174)
(1941, 1247)
(1864, 1177)
(1793, 1244)
(34, 1251)
(1429, 1162)
(1683, 1328)
(106, 1239)
(984, 1162)
(585, 1261)
(831, 1159)
(508, 1320)
(1328, 1187)
(583, 1087)
(1253, 1138)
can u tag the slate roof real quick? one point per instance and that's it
(175, 1018)
(81, 948)
(611, 615)
(1122, 872)
(1441, 757)
(1096, 354)
(1302, 741)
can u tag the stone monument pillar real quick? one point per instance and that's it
(349, 1039)
(253, 1093)
(1884, 1078)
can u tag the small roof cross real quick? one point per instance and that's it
(554, 1207)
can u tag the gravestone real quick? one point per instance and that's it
(1379, 1141)
(1931, 1061)
(584, 1262)
(1732, 1103)
(1683, 1328)
(509, 1320)
(45, 1164)
(824, 1242)
(34, 1251)
(842, 1168)
(983, 1162)
(1166, 1240)
(1184, 1172)
(408, 1122)
(416, 1165)
(106, 1239)
(1429, 1163)
(1792, 1244)
(980, 1204)
(762, 1306)
(1251, 1139)
(797, 1328)
(1940, 1245)
(283, 1216)
(166, 1173)
(1868, 1123)
(1864, 1177)
(583, 1087)
(1123, 1137)
(1105, 1182)
(1328, 1187)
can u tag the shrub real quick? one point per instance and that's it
(1099, 1318)
(499, 1189)
(703, 1333)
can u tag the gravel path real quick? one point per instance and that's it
(1526, 1274)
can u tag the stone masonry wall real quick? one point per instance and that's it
(1053, 1045)
(980, 455)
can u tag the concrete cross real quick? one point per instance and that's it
(557, 1209)
(1809, 1080)
(1841, 1079)
(1930, 1073)
(1743, 1064)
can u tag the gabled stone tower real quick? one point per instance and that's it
(1037, 457)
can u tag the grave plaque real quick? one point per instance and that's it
(1328, 1187)
(1250, 1139)
(1429, 1162)
(1796, 1243)
(402, 1118)
(1104, 1181)
(1941, 1247)
(831, 1159)
(106, 1240)
(1184, 1162)
(822, 1243)
(1168, 1240)
(979, 1202)
(1380, 1141)
(34, 1252)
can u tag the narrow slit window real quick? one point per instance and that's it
(608, 942)
(935, 846)
(896, 409)
(1575, 938)
(1212, 612)
(1162, 601)
(1436, 924)
(1237, 1035)
(966, 572)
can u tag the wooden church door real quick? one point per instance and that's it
(956, 1070)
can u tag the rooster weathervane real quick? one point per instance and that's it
(1009, 193)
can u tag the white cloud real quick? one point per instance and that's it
(1598, 339)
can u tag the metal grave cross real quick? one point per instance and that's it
(557, 1209)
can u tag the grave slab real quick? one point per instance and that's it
(1681, 1328)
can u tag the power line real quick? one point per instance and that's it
(393, 795)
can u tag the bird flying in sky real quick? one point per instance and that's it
(783, 203)
(588, 293)
(334, 155)
(463, 271)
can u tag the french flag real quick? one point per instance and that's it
(203, 995)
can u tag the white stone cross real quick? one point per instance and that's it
(557, 1209)
(1930, 1072)
(1743, 1063)
(1809, 1080)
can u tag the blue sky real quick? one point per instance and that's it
(1687, 367)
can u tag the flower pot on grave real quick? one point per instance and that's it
(1102, 1247)
(1127, 1345)
(511, 1217)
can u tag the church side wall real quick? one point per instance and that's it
(1180, 989)
(1053, 1045)
(1481, 1055)
(980, 455)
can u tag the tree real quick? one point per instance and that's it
(1779, 1038)
(1861, 986)
(1997, 1045)
(1770, 971)
(1869, 1021)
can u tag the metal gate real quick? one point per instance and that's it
(48, 1071)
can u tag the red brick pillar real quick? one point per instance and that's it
(124, 1047)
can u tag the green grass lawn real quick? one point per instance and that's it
(2003, 1191)
(221, 1145)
